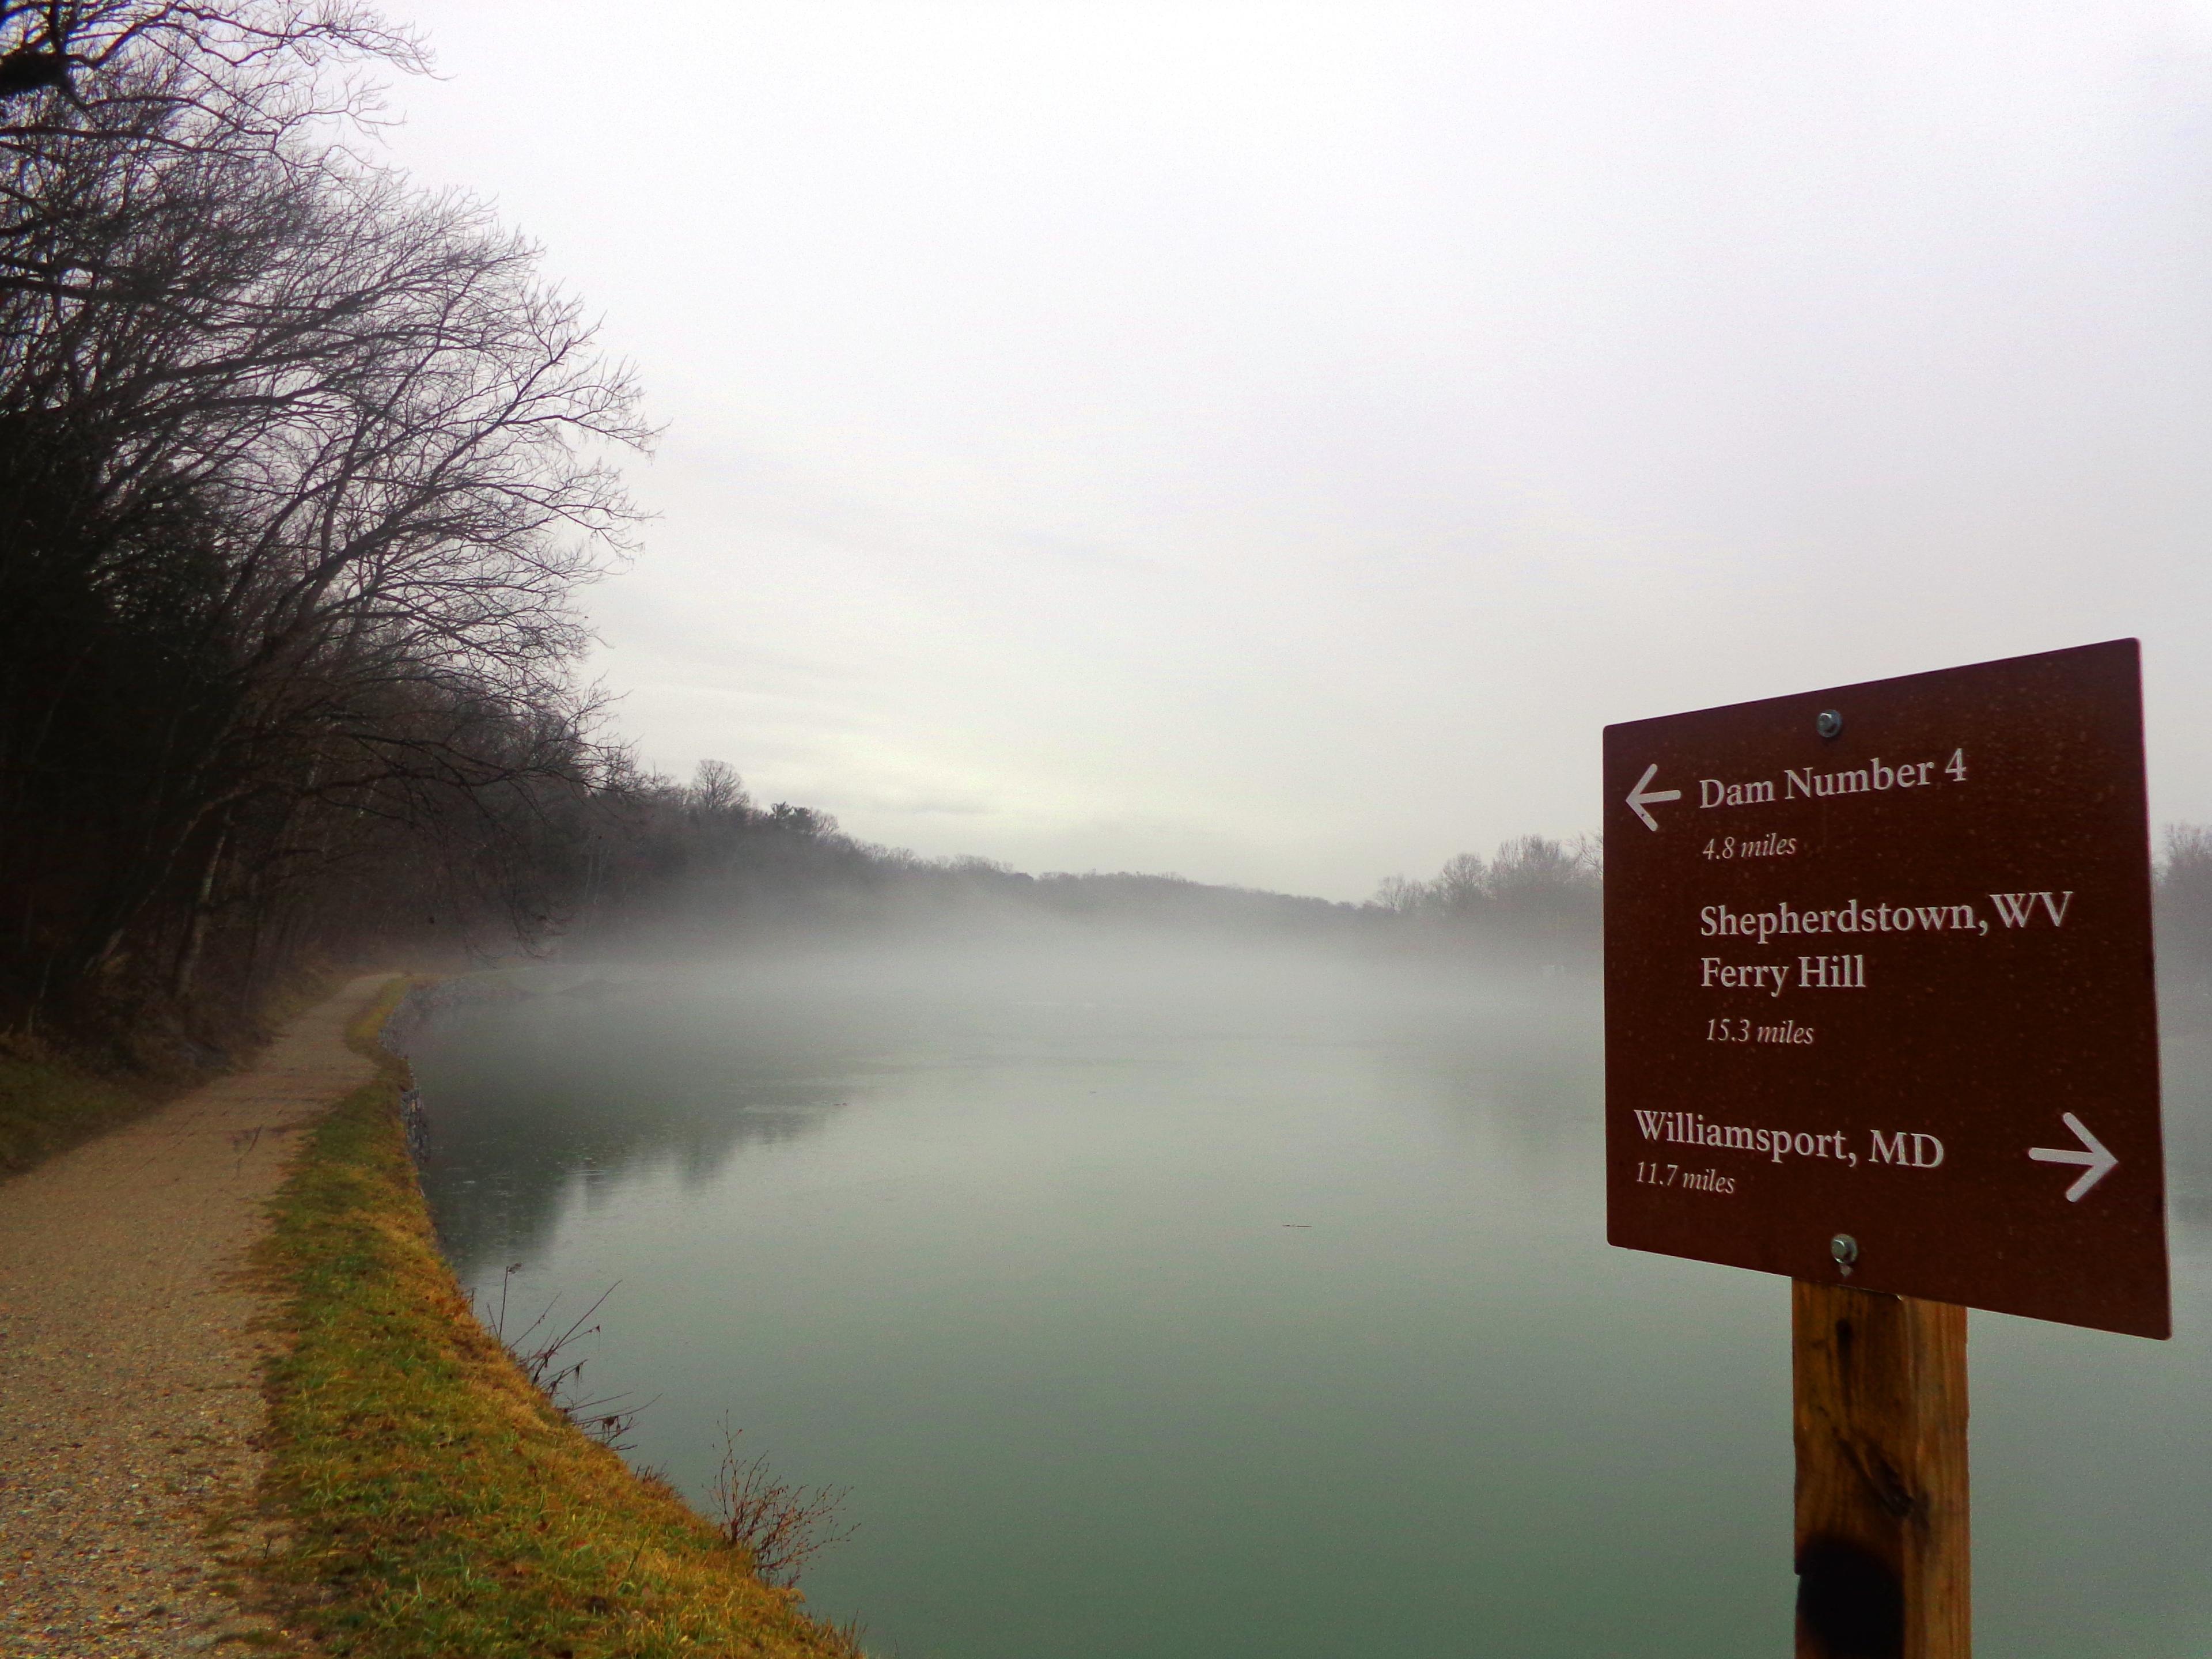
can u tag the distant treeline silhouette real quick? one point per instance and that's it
(673, 862)
(1536, 888)
(1537, 893)
(2182, 903)
(692, 866)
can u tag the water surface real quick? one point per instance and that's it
(1162, 1300)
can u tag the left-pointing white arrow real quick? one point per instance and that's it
(2101, 1162)
(1640, 798)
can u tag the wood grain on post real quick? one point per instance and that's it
(1883, 1562)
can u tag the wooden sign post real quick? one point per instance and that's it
(1877, 959)
(1880, 1419)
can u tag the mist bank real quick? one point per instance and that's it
(699, 870)
(621, 1065)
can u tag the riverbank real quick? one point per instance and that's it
(48, 1106)
(132, 1341)
(243, 1404)
(436, 1503)
(56, 1094)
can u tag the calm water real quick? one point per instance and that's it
(1163, 1302)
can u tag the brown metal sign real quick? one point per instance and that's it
(1879, 1000)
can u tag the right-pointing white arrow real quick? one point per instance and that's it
(2100, 1161)
(1640, 798)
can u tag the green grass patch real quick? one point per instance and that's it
(49, 1105)
(366, 1029)
(57, 1095)
(436, 1503)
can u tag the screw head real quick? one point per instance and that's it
(1846, 1249)
(1829, 723)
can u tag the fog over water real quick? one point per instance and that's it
(1171, 1291)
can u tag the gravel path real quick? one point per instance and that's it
(130, 1408)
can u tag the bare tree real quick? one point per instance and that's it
(252, 70)
(717, 789)
(300, 470)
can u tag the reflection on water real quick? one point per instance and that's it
(1158, 1302)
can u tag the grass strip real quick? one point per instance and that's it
(47, 1106)
(437, 1503)
(54, 1096)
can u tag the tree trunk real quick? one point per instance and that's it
(196, 925)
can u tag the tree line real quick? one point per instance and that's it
(1537, 895)
(1539, 890)
(690, 866)
(663, 867)
(302, 468)
(2181, 904)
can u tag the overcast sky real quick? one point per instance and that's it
(1268, 443)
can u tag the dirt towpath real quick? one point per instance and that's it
(130, 1408)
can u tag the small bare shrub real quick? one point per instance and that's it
(555, 1374)
(780, 1526)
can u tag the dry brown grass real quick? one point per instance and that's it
(438, 1504)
